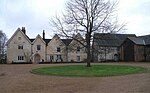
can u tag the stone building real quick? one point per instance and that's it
(20, 48)
(106, 46)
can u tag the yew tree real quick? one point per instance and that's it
(3, 40)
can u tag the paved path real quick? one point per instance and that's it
(18, 79)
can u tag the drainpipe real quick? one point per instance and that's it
(45, 53)
(144, 50)
(67, 53)
(31, 53)
(105, 54)
(144, 53)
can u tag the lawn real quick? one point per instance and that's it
(83, 71)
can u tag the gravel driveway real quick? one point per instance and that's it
(18, 79)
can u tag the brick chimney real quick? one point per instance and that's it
(24, 30)
(43, 34)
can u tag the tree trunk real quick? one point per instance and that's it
(88, 50)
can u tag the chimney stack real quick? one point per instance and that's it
(43, 34)
(24, 30)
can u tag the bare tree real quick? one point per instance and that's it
(3, 39)
(87, 17)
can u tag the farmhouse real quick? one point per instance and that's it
(105, 47)
(20, 48)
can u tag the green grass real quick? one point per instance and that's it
(83, 71)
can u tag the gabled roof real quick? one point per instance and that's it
(18, 30)
(78, 36)
(64, 41)
(137, 40)
(108, 40)
(46, 41)
(55, 36)
(38, 36)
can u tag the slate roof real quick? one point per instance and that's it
(31, 40)
(137, 40)
(110, 40)
(66, 41)
(146, 38)
(141, 40)
(46, 40)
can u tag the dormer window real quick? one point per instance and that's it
(58, 49)
(38, 47)
(20, 46)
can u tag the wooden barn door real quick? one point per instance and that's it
(128, 51)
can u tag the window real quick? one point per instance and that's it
(19, 38)
(38, 47)
(58, 56)
(20, 46)
(51, 57)
(59, 59)
(78, 49)
(20, 57)
(58, 49)
(78, 58)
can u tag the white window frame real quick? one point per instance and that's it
(20, 58)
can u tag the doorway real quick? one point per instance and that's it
(37, 58)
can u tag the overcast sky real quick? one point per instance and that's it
(35, 15)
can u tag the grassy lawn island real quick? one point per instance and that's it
(83, 71)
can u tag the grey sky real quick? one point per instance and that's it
(137, 15)
(35, 15)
